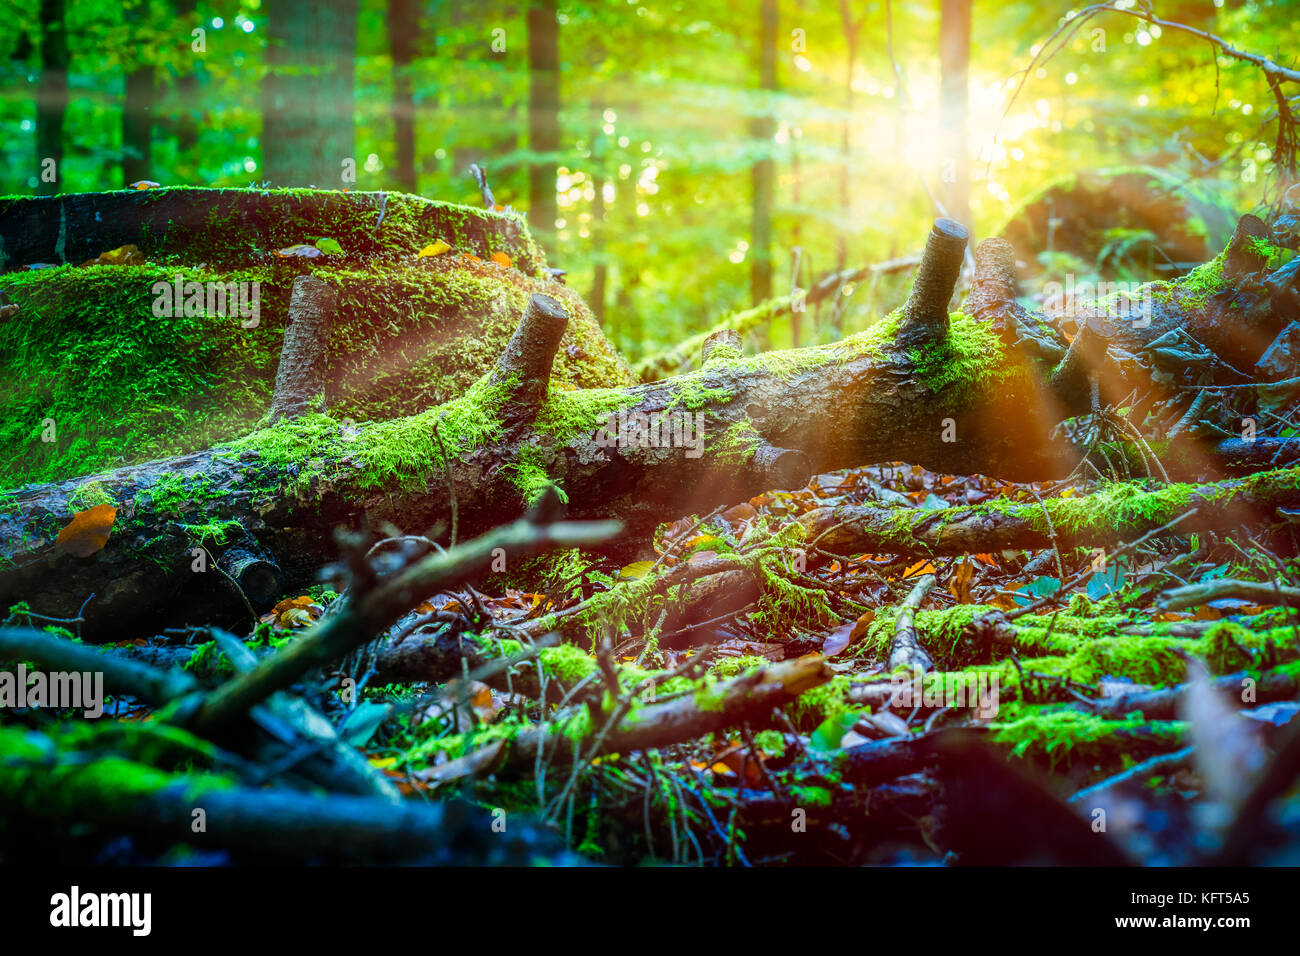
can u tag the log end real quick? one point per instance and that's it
(781, 467)
(925, 316)
(526, 362)
(257, 574)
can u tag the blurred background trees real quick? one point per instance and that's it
(677, 157)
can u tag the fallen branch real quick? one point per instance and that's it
(680, 357)
(1085, 521)
(749, 698)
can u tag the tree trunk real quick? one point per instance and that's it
(51, 97)
(851, 28)
(403, 34)
(543, 115)
(763, 175)
(137, 114)
(954, 137)
(307, 135)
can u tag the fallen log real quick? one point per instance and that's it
(959, 398)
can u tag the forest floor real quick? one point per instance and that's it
(1097, 690)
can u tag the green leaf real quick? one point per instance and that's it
(329, 246)
(1040, 587)
(360, 725)
(831, 731)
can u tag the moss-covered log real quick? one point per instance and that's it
(962, 398)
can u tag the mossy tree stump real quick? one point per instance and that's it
(122, 384)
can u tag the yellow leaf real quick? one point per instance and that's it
(88, 531)
(434, 249)
(1067, 493)
(637, 569)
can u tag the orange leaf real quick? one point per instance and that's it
(88, 531)
(921, 567)
(987, 559)
(959, 583)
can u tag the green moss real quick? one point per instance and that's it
(567, 414)
(729, 667)
(770, 742)
(1065, 735)
(736, 445)
(808, 796)
(36, 778)
(971, 356)
(826, 700)
(1271, 254)
(403, 453)
(89, 495)
(1203, 282)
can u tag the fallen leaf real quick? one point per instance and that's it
(434, 249)
(301, 250)
(88, 531)
(128, 255)
(921, 567)
(636, 570)
(959, 583)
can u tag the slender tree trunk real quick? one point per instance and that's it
(954, 124)
(51, 96)
(307, 134)
(764, 171)
(403, 33)
(184, 123)
(543, 115)
(600, 271)
(137, 111)
(851, 30)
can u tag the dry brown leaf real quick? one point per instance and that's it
(88, 531)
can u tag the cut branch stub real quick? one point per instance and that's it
(925, 316)
(995, 276)
(526, 362)
(300, 379)
(256, 572)
(781, 467)
(723, 338)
